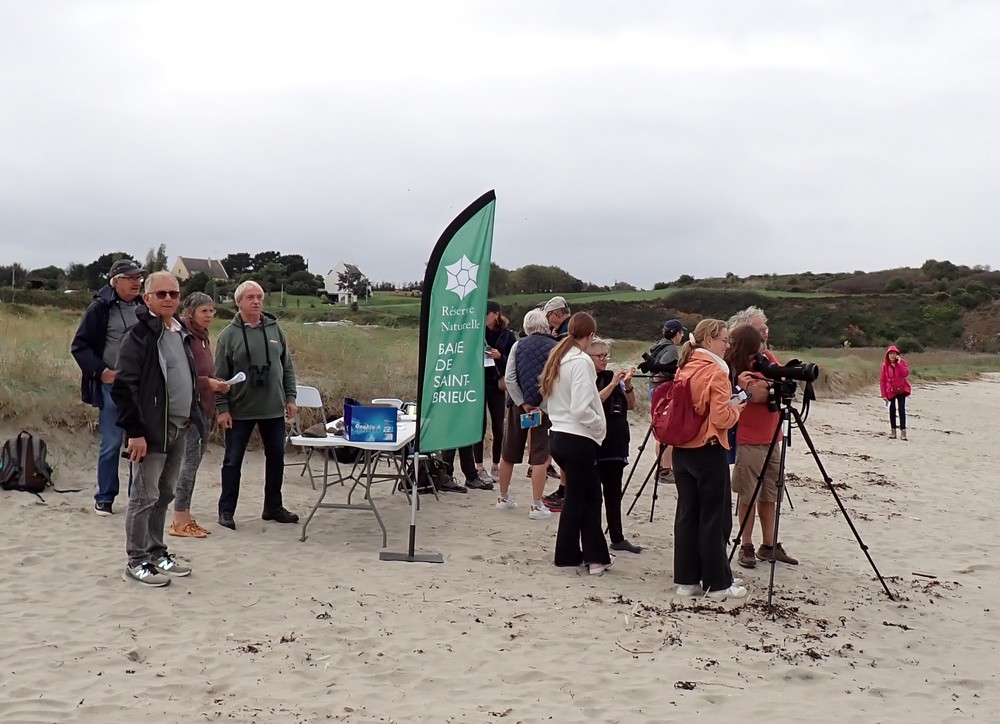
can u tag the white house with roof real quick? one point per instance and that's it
(186, 267)
(333, 290)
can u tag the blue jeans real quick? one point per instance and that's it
(108, 457)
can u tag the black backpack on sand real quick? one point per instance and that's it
(24, 465)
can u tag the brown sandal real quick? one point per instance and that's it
(191, 530)
(206, 531)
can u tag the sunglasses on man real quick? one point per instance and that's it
(162, 294)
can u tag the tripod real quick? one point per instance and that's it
(784, 421)
(654, 473)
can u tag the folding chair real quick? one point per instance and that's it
(306, 398)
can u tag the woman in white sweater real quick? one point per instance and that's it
(573, 404)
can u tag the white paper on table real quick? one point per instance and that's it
(237, 378)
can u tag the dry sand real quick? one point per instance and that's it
(269, 629)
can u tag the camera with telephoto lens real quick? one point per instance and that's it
(258, 375)
(649, 365)
(783, 379)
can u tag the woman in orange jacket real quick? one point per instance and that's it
(703, 521)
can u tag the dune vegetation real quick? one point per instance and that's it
(39, 381)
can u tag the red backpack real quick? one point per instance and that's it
(675, 421)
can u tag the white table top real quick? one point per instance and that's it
(405, 432)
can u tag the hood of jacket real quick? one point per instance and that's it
(108, 295)
(576, 355)
(266, 318)
(892, 348)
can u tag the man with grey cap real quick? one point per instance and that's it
(557, 313)
(95, 349)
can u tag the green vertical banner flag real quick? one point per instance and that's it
(450, 383)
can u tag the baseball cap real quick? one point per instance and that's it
(672, 327)
(555, 304)
(124, 266)
(492, 306)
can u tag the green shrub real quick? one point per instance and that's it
(908, 345)
(895, 284)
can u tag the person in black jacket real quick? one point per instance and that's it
(617, 397)
(156, 393)
(499, 341)
(95, 349)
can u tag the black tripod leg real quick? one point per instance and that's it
(777, 510)
(829, 484)
(652, 471)
(753, 498)
(638, 457)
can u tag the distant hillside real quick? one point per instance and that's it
(938, 305)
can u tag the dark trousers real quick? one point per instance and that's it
(272, 434)
(580, 520)
(901, 400)
(610, 474)
(496, 411)
(466, 460)
(704, 518)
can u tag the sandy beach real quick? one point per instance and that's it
(271, 629)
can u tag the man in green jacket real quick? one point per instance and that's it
(255, 345)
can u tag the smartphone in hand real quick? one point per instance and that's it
(531, 419)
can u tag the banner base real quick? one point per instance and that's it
(411, 557)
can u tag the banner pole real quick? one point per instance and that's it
(452, 302)
(411, 555)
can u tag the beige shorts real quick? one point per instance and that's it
(749, 461)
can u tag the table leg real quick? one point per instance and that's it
(322, 494)
(368, 496)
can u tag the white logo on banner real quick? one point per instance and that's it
(462, 277)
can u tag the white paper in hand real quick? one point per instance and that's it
(237, 378)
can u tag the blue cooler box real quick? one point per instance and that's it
(370, 424)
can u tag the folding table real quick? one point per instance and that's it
(362, 473)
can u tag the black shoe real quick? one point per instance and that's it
(478, 484)
(280, 516)
(226, 521)
(552, 472)
(624, 545)
(555, 497)
(451, 486)
(103, 509)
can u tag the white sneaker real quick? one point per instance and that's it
(599, 570)
(506, 503)
(541, 513)
(731, 592)
(495, 473)
(693, 590)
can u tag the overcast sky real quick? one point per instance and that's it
(630, 141)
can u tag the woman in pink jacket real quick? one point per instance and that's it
(895, 388)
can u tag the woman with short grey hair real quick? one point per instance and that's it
(197, 314)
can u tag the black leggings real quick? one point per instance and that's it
(580, 520)
(704, 517)
(496, 411)
(610, 473)
(902, 412)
